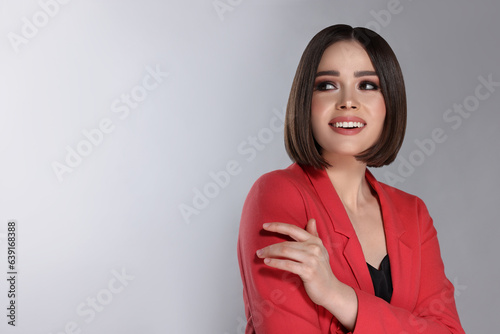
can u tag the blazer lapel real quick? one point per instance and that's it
(399, 247)
(399, 243)
(341, 224)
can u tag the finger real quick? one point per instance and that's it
(286, 250)
(288, 265)
(311, 227)
(291, 230)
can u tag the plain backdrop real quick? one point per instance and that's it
(132, 131)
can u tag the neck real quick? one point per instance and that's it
(348, 179)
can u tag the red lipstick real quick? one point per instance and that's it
(347, 125)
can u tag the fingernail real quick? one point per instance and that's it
(259, 252)
(266, 225)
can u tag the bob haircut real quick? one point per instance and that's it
(299, 140)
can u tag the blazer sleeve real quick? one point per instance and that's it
(435, 311)
(275, 300)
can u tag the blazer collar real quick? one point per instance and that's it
(331, 201)
(398, 247)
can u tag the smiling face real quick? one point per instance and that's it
(348, 108)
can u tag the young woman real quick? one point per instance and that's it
(324, 247)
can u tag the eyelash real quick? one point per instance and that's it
(375, 86)
(322, 85)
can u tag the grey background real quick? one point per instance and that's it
(229, 74)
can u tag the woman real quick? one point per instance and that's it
(324, 247)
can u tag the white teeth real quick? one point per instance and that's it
(348, 125)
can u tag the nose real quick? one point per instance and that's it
(347, 102)
(348, 105)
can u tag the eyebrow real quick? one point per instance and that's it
(357, 74)
(334, 73)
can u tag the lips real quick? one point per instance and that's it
(347, 125)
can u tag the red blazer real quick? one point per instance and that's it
(276, 302)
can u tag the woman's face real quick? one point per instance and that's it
(348, 109)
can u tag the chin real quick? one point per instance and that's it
(345, 151)
(335, 156)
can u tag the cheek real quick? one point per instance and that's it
(317, 110)
(378, 110)
(315, 123)
(316, 106)
(320, 111)
(381, 111)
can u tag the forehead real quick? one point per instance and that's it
(345, 55)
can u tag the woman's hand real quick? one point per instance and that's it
(306, 257)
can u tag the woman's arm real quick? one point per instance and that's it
(434, 312)
(307, 257)
(275, 300)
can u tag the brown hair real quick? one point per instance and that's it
(299, 140)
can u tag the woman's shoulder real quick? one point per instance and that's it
(395, 193)
(291, 177)
(289, 183)
(402, 199)
(276, 196)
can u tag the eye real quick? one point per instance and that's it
(368, 85)
(325, 85)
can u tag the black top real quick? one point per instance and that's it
(382, 281)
